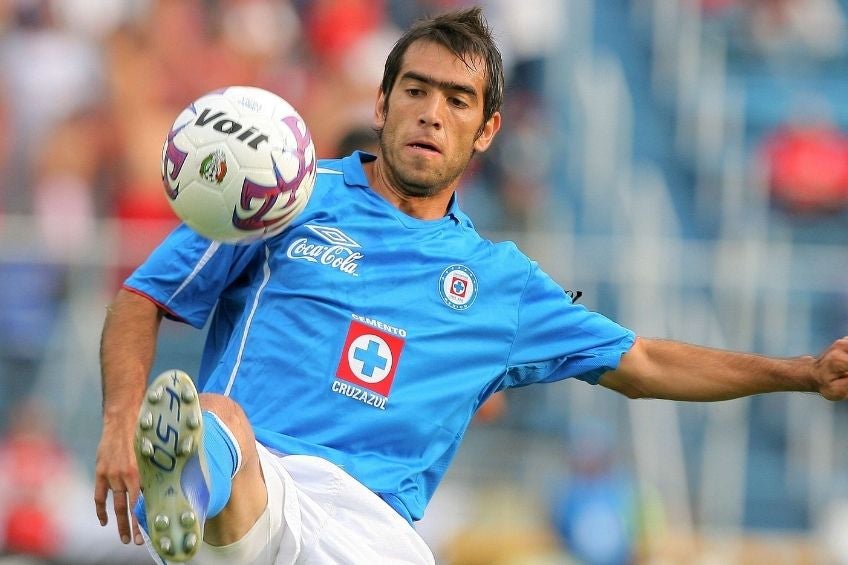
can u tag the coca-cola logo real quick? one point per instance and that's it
(336, 253)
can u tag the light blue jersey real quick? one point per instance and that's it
(370, 338)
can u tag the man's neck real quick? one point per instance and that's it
(420, 207)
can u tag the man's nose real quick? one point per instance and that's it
(432, 111)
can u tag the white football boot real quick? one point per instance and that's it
(172, 466)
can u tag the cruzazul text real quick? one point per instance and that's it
(336, 256)
(356, 393)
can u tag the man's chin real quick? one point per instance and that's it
(419, 191)
(421, 185)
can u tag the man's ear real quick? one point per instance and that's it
(487, 134)
(380, 109)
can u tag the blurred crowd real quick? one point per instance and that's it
(783, 29)
(802, 152)
(89, 89)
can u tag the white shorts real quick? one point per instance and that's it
(318, 514)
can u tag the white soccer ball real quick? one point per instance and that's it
(238, 164)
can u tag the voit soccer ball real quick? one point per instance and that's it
(238, 164)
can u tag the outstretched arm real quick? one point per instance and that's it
(678, 371)
(127, 349)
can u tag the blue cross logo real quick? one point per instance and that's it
(458, 287)
(370, 358)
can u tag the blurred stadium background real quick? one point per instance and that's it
(683, 163)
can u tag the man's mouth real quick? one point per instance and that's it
(425, 146)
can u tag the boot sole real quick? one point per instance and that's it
(168, 437)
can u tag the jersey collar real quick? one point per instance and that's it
(354, 174)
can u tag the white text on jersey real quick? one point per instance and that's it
(380, 325)
(336, 256)
(357, 393)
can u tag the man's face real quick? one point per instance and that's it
(433, 120)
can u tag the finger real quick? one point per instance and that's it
(100, 491)
(837, 389)
(136, 530)
(841, 344)
(121, 515)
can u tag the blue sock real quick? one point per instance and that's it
(223, 458)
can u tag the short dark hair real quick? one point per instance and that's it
(464, 33)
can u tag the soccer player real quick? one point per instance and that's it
(347, 355)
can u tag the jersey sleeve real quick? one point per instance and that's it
(187, 273)
(557, 339)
